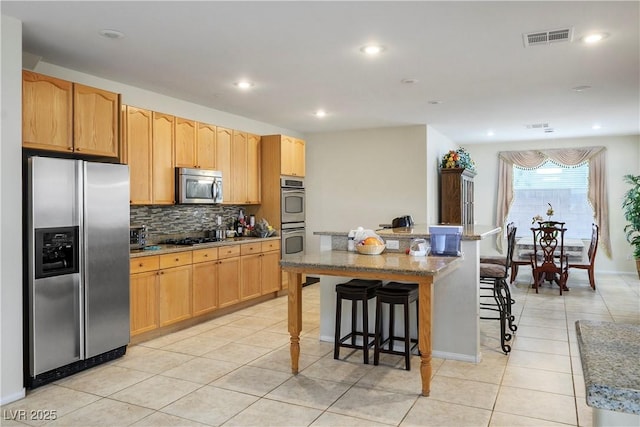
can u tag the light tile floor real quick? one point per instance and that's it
(235, 371)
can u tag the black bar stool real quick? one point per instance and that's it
(355, 290)
(394, 293)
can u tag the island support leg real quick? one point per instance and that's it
(295, 318)
(424, 332)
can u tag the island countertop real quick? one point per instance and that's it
(610, 354)
(385, 263)
(469, 232)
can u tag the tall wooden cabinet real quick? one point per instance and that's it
(163, 164)
(224, 138)
(138, 136)
(456, 196)
(59, 115)
(245, 172)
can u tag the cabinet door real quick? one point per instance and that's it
(206, 146)
(95, 121)
(175, 294)
(298, 157)
(47, 119)
(253, 169)
(250, 276)
(223, 160)
(228, 281)
(144, 302)
(185, 143)
(286, 155)
(239, 168)
(205, 287)
(162, 168)
(138, 138)
(270, 272)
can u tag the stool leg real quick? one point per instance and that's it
(392, 312)
(354, 317)
(336, 342)
(365, 330)
(407, 337)
(377, 339)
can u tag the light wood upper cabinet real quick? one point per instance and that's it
(185, 143)
(239, 167)
(206, 146)
(245, 173)
(254, 189)
(292, 156)
(138, 138)
(47, 118)
(59, 115)
(224, 139)
(95, 121)
(163, 164)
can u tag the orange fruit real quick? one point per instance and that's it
(371, 241)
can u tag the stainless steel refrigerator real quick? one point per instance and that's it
(77, 265)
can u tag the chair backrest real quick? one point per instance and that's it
(548, 245)
(511, 243)
(593, 247)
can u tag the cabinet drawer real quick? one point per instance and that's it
(228, 251)
(250, 248)
(204, 255)
(144, 264)
(271, 245)
(175, 260)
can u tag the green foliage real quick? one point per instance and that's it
(631, 210)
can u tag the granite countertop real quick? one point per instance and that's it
(387, 262)
(167, 249)
(469, 232)
(610, 354)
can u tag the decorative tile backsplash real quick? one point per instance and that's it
(166, 222)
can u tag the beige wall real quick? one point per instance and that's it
(623, 157)
(437, 146)
(365, 178)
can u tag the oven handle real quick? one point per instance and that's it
(291, 231)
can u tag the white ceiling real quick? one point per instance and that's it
(306, 55)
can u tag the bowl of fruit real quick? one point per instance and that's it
(370, 246)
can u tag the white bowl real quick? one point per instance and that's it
(370, 249)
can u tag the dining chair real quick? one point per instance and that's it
(548, 260)
(591, 257)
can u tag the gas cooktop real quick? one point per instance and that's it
(190, 241)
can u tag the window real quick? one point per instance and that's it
(565, 187)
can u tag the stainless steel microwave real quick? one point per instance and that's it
(198, 186)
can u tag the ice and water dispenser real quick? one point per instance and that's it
(56, 251)
(445, 240)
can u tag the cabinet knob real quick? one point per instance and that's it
(206, 255)
(141, 265)
(177, 259)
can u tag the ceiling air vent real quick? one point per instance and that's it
(547, 37)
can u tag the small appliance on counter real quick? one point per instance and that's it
(445, 240)
(137, 237)
(399, 222)
(419, 247)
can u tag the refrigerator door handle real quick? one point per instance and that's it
(80, 209)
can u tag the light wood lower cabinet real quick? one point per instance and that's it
(205, 281)
(170, 288)
(144, 302)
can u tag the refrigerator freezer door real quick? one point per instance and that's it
(106, 255)
(56, 323)
(54, 302)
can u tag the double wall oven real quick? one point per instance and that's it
(292, 199)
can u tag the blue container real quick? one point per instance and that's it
(445, 240)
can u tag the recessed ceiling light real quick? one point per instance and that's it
(594, 38)
(596, 126)
(580, 88)
(111, 34)
(490, 133)
(409, 81)
(372, 49)
(320, 113)
(435, 102)
(244, 84)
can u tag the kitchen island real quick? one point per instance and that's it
(387, 266)
(456, 325)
